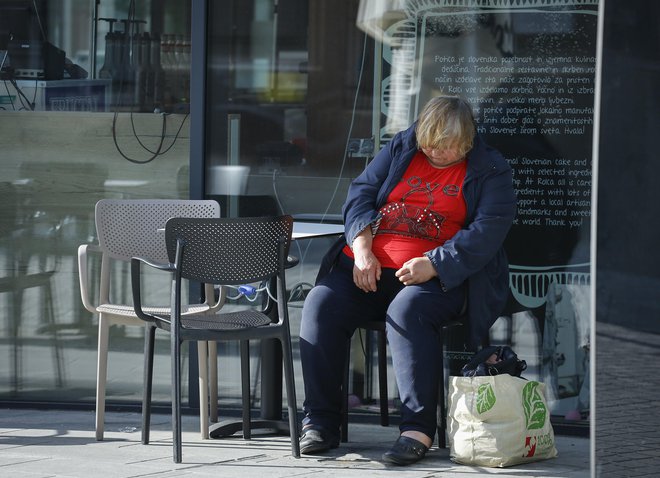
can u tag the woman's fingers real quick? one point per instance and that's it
(366, 271)
(416, 271)
(404, 274)
(366, 279)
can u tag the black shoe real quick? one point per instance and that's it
(405, 451)
(316, 440)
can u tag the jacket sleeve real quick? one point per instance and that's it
(473, 247)
(361, 207)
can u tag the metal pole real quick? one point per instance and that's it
(377, 94)
(94, 33)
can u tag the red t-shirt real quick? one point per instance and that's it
(423, 211)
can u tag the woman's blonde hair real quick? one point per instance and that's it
(446, 122)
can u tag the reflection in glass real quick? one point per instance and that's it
(528, 69)
(59, 158)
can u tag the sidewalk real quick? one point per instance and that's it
(627, 402)
(53, 443)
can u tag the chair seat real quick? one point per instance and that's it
(228, 321)
(239, 320)
(129, 311)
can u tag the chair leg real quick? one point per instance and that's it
(149, 341)
(15, 339)
(289, 379)
(245, 386)
(344, 394)
(202, 360)
(442, 408)
(175, 347)
(57, 347)
(382, 378)
(382, 385)
(213, 381)
(101, 374)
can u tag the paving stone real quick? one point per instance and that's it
(67, 448)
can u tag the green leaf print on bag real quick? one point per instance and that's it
(535, 411)
(485, 398)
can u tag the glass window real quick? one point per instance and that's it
(95, 56)
(302, 94)
(72, 135)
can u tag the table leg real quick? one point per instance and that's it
(271, 389)
(271, 396)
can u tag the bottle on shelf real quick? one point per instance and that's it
(110, 68)
(143, 92)
(156, 80)
(168, 60)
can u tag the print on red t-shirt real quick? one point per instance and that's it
(423, 211)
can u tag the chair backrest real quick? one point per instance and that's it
(230, 250)
(128, 228)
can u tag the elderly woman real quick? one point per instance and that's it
(424, 228)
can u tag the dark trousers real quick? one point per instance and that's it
(414, 314)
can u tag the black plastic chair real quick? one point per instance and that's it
(379, 327)
(228, 252)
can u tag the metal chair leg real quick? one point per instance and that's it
(245, 386)
(289, 378)
(213, 381)
(382, 379)
(149, 340)
(101, 374)
(344, 394)
(202, 363)
(175, 346)
(442, 408)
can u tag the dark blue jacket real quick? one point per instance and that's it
(476, 252)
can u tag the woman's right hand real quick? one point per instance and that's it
(367, 269)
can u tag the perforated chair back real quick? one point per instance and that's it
(128, 228)
(230, 251)
(135, 227)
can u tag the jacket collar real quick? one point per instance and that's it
(478, 157)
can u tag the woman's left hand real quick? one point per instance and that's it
(416, 271)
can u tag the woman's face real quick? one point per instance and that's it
(443, 158)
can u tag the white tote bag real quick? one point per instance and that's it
(498, 421)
